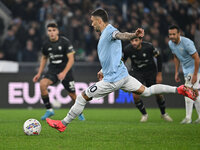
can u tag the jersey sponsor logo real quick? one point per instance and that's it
(58, 56)
(50, 49)
(52, 56)
(141, 65)
(57, 61)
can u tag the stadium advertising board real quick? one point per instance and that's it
(18, 91)
(23, 93)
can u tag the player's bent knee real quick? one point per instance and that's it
(146, 92)
(43, 86)
(140, 90)
(44, 83)
(86, 97)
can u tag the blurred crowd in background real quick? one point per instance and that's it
(27, 30)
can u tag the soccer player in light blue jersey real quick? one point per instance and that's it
(114, 74)
(186, 54)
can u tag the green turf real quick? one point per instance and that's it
(104, 129)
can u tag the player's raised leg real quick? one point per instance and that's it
(163, 89)
(133, 85)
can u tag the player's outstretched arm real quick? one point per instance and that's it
(128, 36)
(43, 62)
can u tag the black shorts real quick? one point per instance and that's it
(68, 81)
(147, 78)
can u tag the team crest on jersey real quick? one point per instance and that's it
(59, 47)
(181, 48)
(49, 49)
(144, 54)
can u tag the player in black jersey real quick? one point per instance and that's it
(146, 70)
(60, 52)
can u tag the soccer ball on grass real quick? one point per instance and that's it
(32, 127)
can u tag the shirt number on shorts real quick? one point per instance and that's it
(93, 88)
(71, 85)
(189, 78)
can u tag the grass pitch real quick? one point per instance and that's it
(104, 129)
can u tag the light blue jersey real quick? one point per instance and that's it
(183, 51)
(110, 54)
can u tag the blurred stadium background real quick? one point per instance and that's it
(22, 32)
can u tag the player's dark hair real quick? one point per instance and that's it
(100, 13)
(174, 27)
(53, 25)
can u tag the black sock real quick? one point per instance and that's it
(141, 107)
(46, 101)
(161, 103)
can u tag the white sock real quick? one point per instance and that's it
(188, 107)
(75, 110)
(197, 106)
(158, 89)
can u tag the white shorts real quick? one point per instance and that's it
(188, 80)
(102, 88)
